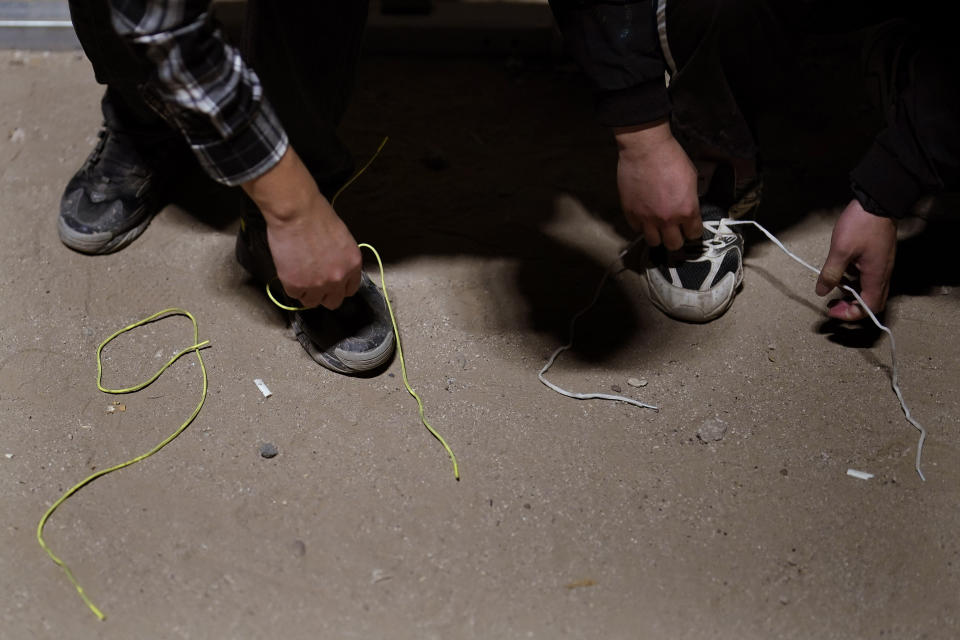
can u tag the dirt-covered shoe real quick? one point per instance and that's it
(698, 282)
(112, 198)
(355, 338)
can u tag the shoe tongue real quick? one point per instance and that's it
(351, 312)
(326, 328)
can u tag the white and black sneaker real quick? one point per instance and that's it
(698, 282)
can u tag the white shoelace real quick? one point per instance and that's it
(714, 226)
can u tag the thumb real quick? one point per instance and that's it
(831, 274)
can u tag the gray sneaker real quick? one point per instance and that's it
(353, 339)
(698, 282)
(111, 199)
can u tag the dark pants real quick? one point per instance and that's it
(305, 54)
(718, 83)
(732, 60)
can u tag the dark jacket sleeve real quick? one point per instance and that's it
(617, 46)
(918, 154)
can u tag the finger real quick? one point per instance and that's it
(831, 273)
(333, 299)
(846, 310)
(693, 228)
(651, 235)
(353, 284)
(672, 238)
(310, 299)
(874, 292)
(296, 295)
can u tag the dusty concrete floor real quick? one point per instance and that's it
(573, 519)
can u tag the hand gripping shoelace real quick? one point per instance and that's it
(714, 226)
(393, 319)
(894, 372)
(197, 346)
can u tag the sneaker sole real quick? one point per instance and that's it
(691, 306)
(99, 243)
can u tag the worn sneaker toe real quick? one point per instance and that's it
(355, 338)
(111, 199)
(699, 282)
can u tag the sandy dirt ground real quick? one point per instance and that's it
(494, 207)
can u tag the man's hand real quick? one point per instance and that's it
(317, 259)
(658, 185)
(869, 243)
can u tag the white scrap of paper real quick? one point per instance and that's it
(863, 475)
(263, 388)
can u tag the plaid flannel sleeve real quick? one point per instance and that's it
(203, 87)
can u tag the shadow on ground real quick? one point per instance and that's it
(468, 173)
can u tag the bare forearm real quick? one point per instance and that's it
(284, 192)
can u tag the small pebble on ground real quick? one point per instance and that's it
(712, 430)
(268, 450)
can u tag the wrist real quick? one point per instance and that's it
(288, 209)
(286, 192)
(856, 205)
(643, 139)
